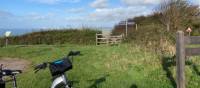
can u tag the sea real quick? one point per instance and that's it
(15, 32)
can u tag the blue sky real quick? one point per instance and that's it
(32, 14)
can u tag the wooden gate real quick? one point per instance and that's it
(108, 39)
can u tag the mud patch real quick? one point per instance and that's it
(15, 63)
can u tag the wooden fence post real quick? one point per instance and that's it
(180, 59)
(6, 41)
(96, 39)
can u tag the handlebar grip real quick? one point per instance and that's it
(74, 53)
(10, 72)
(40, 66)
(17, 71)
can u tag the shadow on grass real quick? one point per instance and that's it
(194, 66)
(133, 86)
(72, 82)
(171, 61)
(166, 63)
(98, 81)
(37, 52)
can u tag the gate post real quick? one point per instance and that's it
(180, 60)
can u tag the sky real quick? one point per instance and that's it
(33, 14)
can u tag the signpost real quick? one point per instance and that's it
(189, 30)
(7, 34)
(126, 23)
(136, 27)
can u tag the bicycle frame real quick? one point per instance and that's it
(2, 82)
(14, 81)
(60, 80)
(10, 73)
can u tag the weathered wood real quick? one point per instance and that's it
(116, 36)
(180, 59)
(192, 39)
(96, 39)
(99, 34)
(181, 52)
(192, 51)
(6, 41)
(102, 42)
(102, 38)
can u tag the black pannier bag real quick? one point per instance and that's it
(60, 66)
(2, 85)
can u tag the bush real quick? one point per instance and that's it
(73, 36)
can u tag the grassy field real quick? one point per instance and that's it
(124, 66)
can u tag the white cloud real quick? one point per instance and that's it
(196, 2)
(30, 20)
(54, 1)
(4, 14)
(140, 2)
(120, 13)
(99, 4)
(109, 16)
(101, 16)
(37, 16)
(76, 10)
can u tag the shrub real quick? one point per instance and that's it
(55, 36)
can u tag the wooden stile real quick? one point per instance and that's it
(182, 52)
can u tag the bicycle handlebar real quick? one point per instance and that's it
(8, 72)
(45, 64)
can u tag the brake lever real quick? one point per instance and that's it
(1, 67)
(36, 71)
(40, 66)
(17, 71)
(74, 53)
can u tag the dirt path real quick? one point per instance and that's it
(14, 63)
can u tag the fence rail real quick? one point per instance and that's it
(192, 39)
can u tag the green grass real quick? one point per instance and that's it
(124, 66)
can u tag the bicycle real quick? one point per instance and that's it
(10, 73)
(58, 69)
